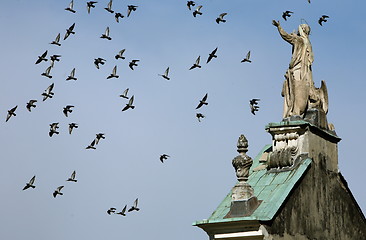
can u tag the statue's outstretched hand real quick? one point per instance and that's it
(276, 23)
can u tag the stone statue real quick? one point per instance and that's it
(242, 162)
(298, 90)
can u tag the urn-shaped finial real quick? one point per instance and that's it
(242, 162)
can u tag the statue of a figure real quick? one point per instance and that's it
(242, 162)
(298, 90)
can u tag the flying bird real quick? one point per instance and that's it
(72, 177)
(98, 137)
(57, 40)
(197, 11)
(164, 157)
(196, 64)
(120, 54)
(72, 126)
(11, 113)
(90, 5)
(70, 8)
(199, 116)
(72, 75)
(247, 58)
(322, 19)
(98, 61)
(48, 92)
(254, 105)
(31, 104)
(286, 14)
(69, 31)
(124, 94)
(111, 210)
(220, 18)
(30, 183)
(134, 207)
(58, 191)
(54, 58)
(67, 110)
(190, 4)
(130, 8)
(42, 57)
(47, 72)
(133, 63)
(212, 55)
(123, 212)
(105, 35)
(109, 7)
(202, 102)
(165, 75)
(118, 15)
(91, 145)
(53, 129)
(114, 73)
(129, 104)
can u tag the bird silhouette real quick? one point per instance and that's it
(58, 191)
(163, 157)
(42, 57)
(253, 105)
(53, 129)
(199, 116)
(202, 102)
(48, 92)
(247, 58)
(30, 184)
(134, 206)
(67, 110)
(165, 75)
(90, 5)
(109, 7)
(91, 145)
(197, 11)
(322, 19)
(124, 94)
(220, 18)
(47, 72)
(129, 104)
(196, 64)
(11, 113)
(123, 212)
(114, 73)
(69, 31)
(130, 8)
(286, 14)
(57, 40)
(120, 54)
(133, 63)
(98, 61)
(72, 126)
(31, 104)
(105, 35)
(190, 4)
(72, 177)
(70, 8)
(118, 15)
(111, 210)
(72, 75)
(54, 58)
(212, 55)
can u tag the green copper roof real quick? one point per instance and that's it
(270, 187)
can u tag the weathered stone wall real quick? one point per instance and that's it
(320, 206)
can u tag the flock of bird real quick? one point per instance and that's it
(68, 109)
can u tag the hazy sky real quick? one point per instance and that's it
(161, 34)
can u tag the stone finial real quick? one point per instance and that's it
(242, 162)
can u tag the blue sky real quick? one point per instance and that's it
(161, 34)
